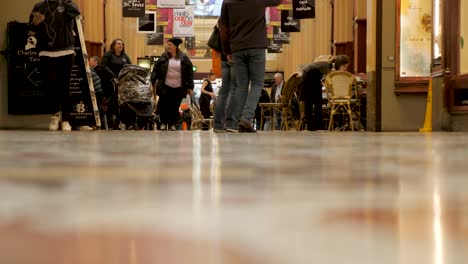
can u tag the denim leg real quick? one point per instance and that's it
(233, 106)
(223, 96)
(253, 69)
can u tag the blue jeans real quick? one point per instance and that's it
(224, 94)
(249, 67)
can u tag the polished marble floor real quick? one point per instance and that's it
(198, 197)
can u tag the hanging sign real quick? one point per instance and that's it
(303, 9)
(183, 22)
(171, 3)
(280, 37)
(288, 23)
(133, 8)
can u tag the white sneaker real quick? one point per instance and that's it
(66, 126)
(163, 127)
(173, 128)
(86, 128)
(54, 123)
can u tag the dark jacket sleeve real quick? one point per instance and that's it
(156, 73)
(31, 16)
(106, 58)
(224, 29)
(105, 62)
(273, 93)
(71, 8)
(189, 84)
(128, 59)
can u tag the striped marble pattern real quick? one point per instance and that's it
(201, 197)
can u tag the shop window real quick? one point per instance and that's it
(437, 37)
(414, 45)
(463, 37)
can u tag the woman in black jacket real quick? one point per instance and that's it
(113, 61)
(172, 77)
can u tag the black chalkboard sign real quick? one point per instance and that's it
(26, 91)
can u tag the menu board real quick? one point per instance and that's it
(83, 108)
(26, 91)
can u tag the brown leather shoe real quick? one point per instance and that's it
(245, 126)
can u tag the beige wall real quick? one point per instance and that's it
(403, 112)
(343, 25)
(361, 8)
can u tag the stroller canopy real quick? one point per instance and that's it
(134, 84)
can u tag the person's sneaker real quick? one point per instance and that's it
(54, 123)
(86, 128)
(232, 130)
(66, 126)
(219, 130)
(163, 127)
(173, 128)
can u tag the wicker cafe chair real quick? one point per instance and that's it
(340, 85)
(266, 112)
(290, 100)
(198, 120)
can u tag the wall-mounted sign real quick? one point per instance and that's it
(147, 23)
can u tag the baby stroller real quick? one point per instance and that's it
(135, 98)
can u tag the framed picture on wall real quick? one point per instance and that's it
(147, 23)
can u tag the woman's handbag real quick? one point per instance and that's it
(214, 41)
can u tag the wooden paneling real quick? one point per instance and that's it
(343, 24)
(360, 9)
(348, 49)
(92, 12)
(360, 47)
(464, 36)
(313, 40)
(371, 36)
(94, 48)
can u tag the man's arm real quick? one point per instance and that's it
(224, 29)
(36, 17)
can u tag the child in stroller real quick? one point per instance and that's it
(135, 98)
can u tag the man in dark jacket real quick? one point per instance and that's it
(53, 21)
(311, 93)
(244, 38)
